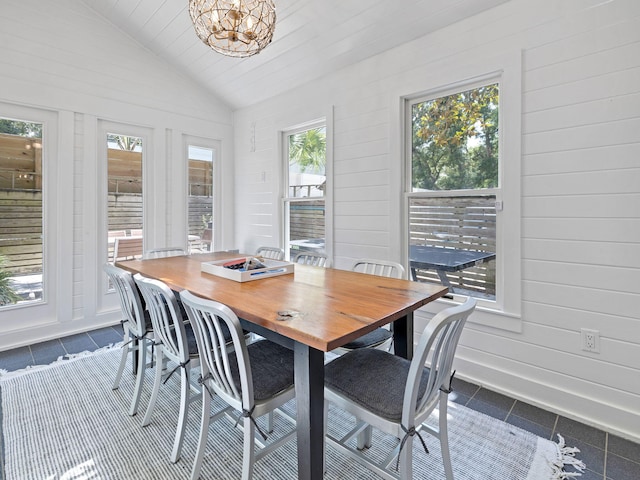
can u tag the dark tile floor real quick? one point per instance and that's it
(607, 456)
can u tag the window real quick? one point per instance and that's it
(21, 210)
(201, 198)
(125, 200)
(473, 205)
(454, 147)
(305, 189)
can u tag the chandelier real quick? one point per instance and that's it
(237, 28)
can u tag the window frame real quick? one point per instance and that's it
(22, 317)
(286, 200)
(106, 296)
(507, 74)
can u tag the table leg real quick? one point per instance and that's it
(403, 336)
(443, 278)
(309, 378)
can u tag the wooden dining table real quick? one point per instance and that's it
(312, 311)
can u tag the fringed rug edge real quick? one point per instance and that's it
(551, 459)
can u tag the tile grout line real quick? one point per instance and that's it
(606, 455)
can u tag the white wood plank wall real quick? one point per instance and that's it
(580, 190)
(63, 57)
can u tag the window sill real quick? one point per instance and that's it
(482, 315)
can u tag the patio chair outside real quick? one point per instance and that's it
(127, 248)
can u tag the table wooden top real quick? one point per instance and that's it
(335, 306)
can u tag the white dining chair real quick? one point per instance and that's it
(381, 337)
(254, 379)
(382, 268)
(411, 392)
(313, 259)
(164, 252)
(138, 333)
(273, 253)
(175, 351)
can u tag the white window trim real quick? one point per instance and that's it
(505, 312)
(106, 298)
(56, 166)
(326, 122)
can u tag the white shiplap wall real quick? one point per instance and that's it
(64, 58)
(580, 190)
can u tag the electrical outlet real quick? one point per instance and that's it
(590, 340)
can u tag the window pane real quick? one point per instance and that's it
(124, 210)
(201, 219)
(307, 160)
(306, 227)
(21, 210)
(463, 229)
(454, 143)
(454, 149)
(305, 205)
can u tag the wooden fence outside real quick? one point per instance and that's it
(467, 223)
(306, 220)
(21, 226)
(21, 230)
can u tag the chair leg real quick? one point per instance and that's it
(269, 419)
(137, 392)
(185, 391)
(204, 432)
(156, 386)
(406, 460)
(123, 359)
(248, 456)
(365, 438)
(444, 436)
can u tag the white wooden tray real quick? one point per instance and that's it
(274, 268)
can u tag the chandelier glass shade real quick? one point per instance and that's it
(237, 28)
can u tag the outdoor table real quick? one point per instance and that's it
(442, 260)
(330, 308)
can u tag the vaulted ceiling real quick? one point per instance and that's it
(312, 38)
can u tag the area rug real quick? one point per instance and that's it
(63, 422)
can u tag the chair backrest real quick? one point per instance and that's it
(273, 253)
(382, 268)
(168, 327)
(313, 259)
(164, 252)
(216, 360)
(440, 337)
(129, 296)
(127, 248)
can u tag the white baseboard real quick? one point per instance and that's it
(606, 416)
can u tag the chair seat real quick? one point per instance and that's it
(359, 375)
(271, 367)
(371, 339)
